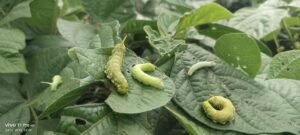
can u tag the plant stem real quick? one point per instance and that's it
(288, 31)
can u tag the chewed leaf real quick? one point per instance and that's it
(258, 109)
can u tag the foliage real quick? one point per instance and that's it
(255, 45)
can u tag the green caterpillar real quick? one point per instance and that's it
(199, 65)
(138, 73)
(219, 109)
(56, 81)
(114, 65)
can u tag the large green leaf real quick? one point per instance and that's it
(87, 36)
(285, 65)
(43, 64)
(12, 110)
(258, 22)
(19, 11)
(43, 19)
(70, 90)
(205, 14)
(167, 23)
(109, 10)
(258, 109)
(99, 119)
(215, 31)
(239, 50)
(77, 33)
(140, 97)
(11, 42)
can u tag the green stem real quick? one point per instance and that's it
(36, 119)
(288, 31)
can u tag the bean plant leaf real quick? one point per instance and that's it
(239, 50)
(43, 64)
(19, 11)
(205, 14)
(167, 23)
(70, 90)
(77, 33)
(275, 115)
(109, 10)
(11, 61)
(164, 45)
(87, 36)
(100, 119)
(12, 109)
(140, 97)
(215, 31)
(285, 65)
(258, 22)
(43, 19)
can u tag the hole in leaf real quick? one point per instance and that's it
(80, 121)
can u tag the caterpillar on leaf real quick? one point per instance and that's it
(138, 72)
(200, 65)
(113, 68)
(219, 109)
(56, 81)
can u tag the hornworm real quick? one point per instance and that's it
(138, 73)
(199, 65)
(113, 68)
(219, 109)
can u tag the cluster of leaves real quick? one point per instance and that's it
(256, 49)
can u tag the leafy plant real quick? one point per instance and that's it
(251, 48)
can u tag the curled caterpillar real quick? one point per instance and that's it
(199, 65)
(72, 54)
(113, 68)
(56, 81)
(138, 73)
(219, 109)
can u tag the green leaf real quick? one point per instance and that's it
(77, 33)
(164, 45)
(258, 109)
(69, 91)
(108, 34)
(86, 36)
(137, 26)
(205, 14)
(258, 22)
(99, 119)
(140, 97)
(285, 65)
(43, 21)
(11, 61)
(19, 11)
(109, 10)
(71, 7)
(12, 110)
(217, 30)
(11, 44)
(43, 64)
(240, 51)
(167, 23)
